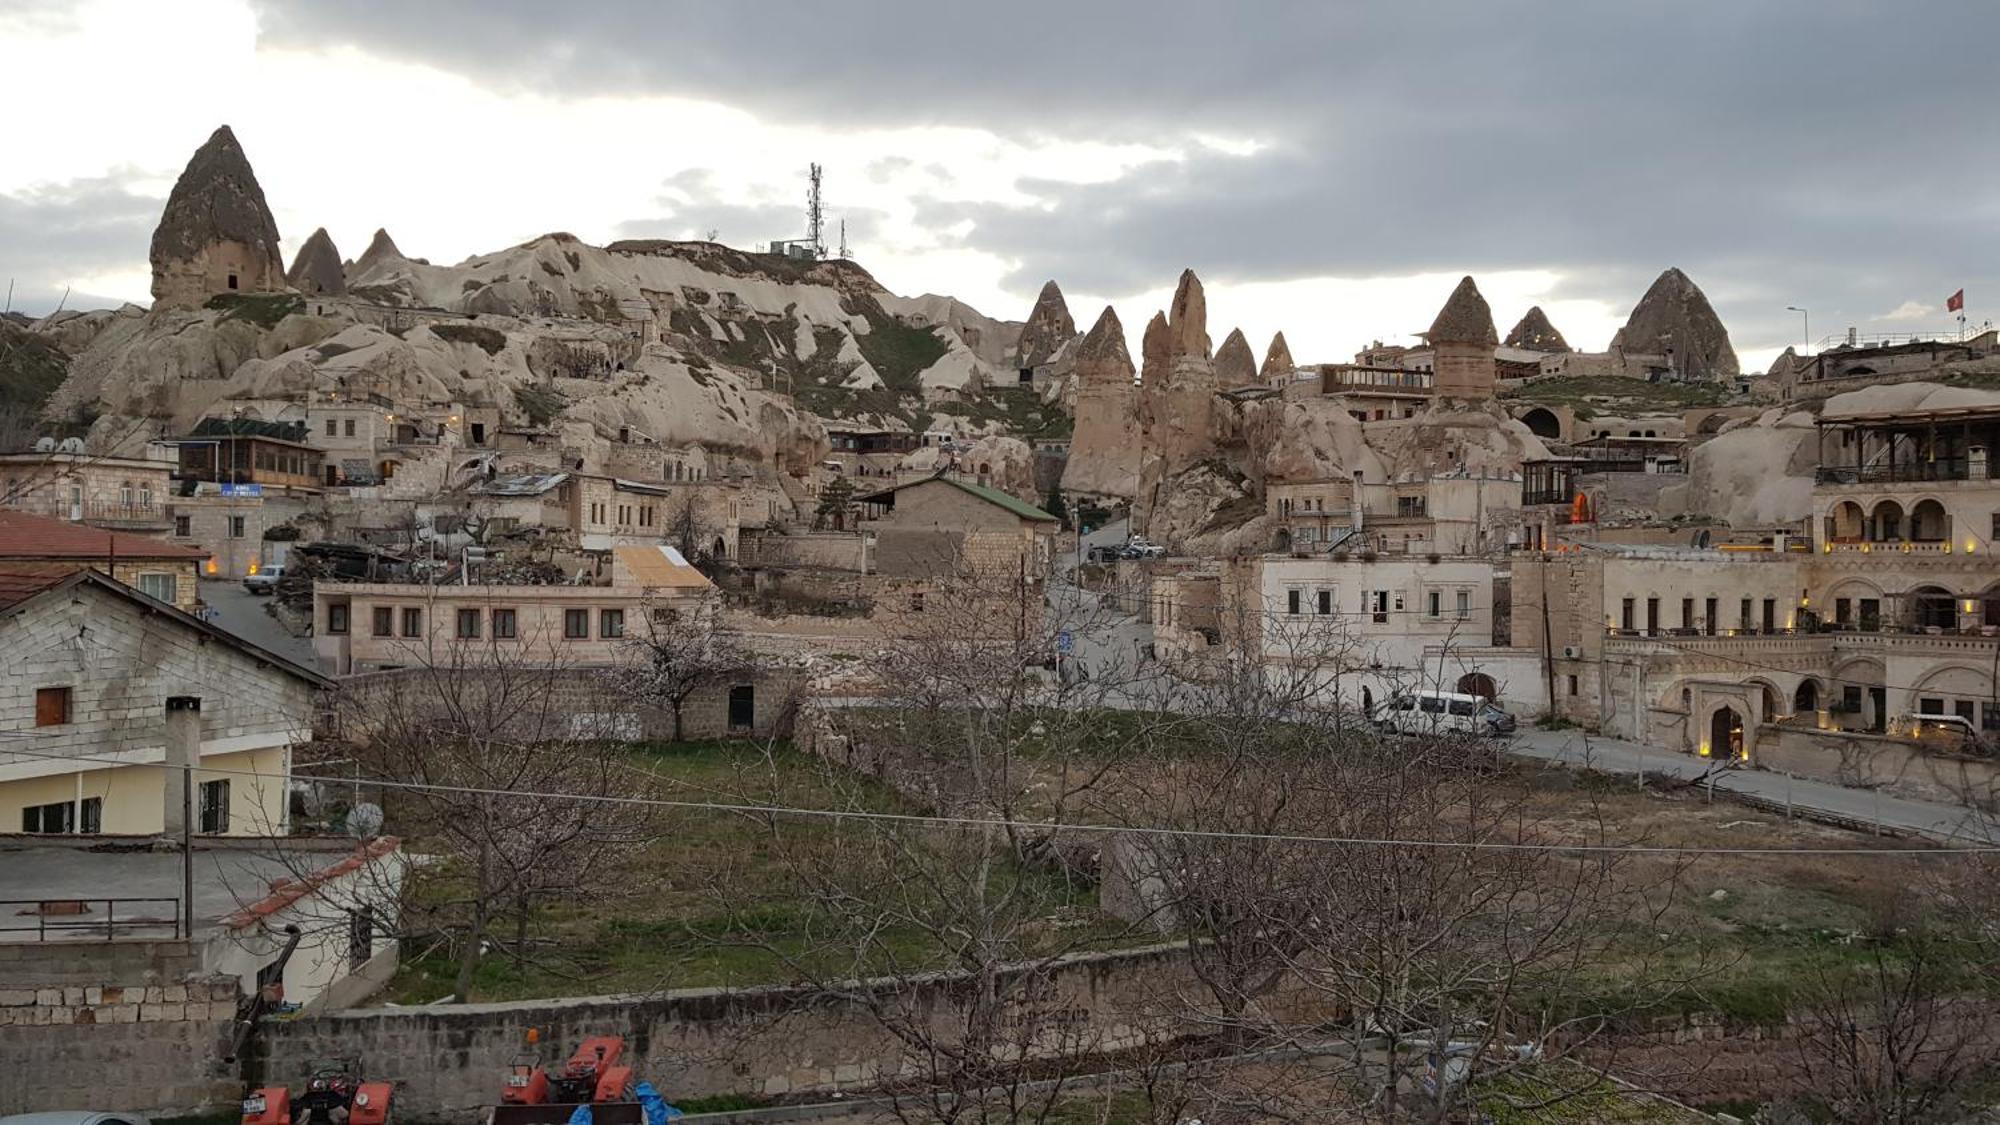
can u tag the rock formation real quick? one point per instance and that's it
(1235, 363)
(216, 234)
(1048, 331)
(1534, 333)
(380, 254)
(317, 268)
(1188, 318)
(1674, 318)
(1105, 452)
(1278, 362)
(1177, 398)
(1462, 339)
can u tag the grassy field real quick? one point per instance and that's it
(711, 901)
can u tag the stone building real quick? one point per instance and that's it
(100, 683)
(33, 545)
(217, 234)
(1462, 340)
(115, 493)
(943, 525)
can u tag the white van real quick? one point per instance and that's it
(1441, 712)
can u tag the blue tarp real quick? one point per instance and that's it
(581, 1116)
(658, 1112)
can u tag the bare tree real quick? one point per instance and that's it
(688, 531)
(680, 653)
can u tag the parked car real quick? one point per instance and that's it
(1953, 732)
(1441, 712)
(1101, 555)
(1138, 548)
(265, 580)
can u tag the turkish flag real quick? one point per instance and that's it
(1955, 302)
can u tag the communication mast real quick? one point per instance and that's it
(843, 240)
(813, 219)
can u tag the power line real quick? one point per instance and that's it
(941, 821)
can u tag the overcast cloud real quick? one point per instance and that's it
(1791, 152)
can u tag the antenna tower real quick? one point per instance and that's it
(813, 220)
(843, 243)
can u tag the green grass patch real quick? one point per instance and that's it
(264, 310)
(488, 340)
(31, 369)
(540, 403)
(1562, 1093)
(1591, 395)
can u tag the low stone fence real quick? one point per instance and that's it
(1870, 761)
(765, 1041)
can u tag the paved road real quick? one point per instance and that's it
(1855, 806)
(243, 614)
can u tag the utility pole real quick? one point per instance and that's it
(843, 239)
(814, 231)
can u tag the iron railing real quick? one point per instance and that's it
(108, 927)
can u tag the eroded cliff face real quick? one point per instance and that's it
(1757, 473)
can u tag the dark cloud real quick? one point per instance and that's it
(68, 230)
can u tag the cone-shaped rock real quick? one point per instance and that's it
(1049, 327)
(216, 234)
(317, 269)
(1157, 349)
(1462, 342)
(1188, 317)
(1278, 362)
(1235, 363)
(1675, 314)
(381, 250)
(1105, 451)
(1465, 319)
(1534, 333)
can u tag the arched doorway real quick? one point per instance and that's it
(1770, 704)
(1806, 699)
(1847, 523)
(1932, 607)
(1725, 734)
(1479, 684)
(1886, 522)
(1283, 540)
(1542, 422)
(721, 548)
(1929, 523)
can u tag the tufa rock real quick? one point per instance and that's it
(1675, 314)
(1188, 318)
(317, 268)
(1534, 333)
(1157, 349)
(1048, 330)
(381, 251)
(1235, 364)
(1465, 319)
(1104, 454)
(216, 234)
(1278, 362)
(1462, 340)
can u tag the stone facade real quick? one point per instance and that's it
(118, 493)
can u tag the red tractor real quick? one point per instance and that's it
(595, 1075)
(334, 1094)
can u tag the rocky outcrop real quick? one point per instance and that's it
(1674, 318)
(1755, 475)
(1104, 454)
(216, 234)
(1278, 362)
(1187, 318)
(1462, 340)
(1048, 330)
(317, 269)
(380, 255)
(1534, 333)
(1177, 399)
(1235, 364)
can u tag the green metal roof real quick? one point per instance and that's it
(1010, 502)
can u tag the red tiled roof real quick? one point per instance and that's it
(23, 536)
(20, 581)
(285, 892)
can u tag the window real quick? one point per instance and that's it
(232, 281)
(1460, 706)
(49, 819)
(1430, 705)
(1463, 604)
(468, 624)
(385, 621)
(348, 427)
(1770, 615)
(1708, 617)
(158, 586)
(1325, 602)
(214, 807)
(360, 937)
(504, 625)
(332, 428)
(413, 621)
(236, 527)
(1379, 606)
(51, 706)
(1625, 618)
(1292, 601)
(917, 601)
(1744, 622)
(576, 624)
(1687, 614)
(1652, 617)
(92, 820)
(742, 707)
(1843, 611)
(1572, 684)
(183, 526)
(336, 617)
(611, 624)
(1433, 603)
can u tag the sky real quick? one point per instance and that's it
(1329, 169)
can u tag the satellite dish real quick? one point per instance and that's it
(364, 820)
(71, 445)
(45, 445)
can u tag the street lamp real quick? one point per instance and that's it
(1807, 329)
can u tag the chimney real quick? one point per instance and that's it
(183, 753)
(1355, 493)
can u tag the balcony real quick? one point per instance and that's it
(111, 514)
(1921, 472)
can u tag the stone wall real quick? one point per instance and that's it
(1869, 761)
(120, 1020)
(765, 1041)
(842, 551)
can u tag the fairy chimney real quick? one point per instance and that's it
(317, 269)
(1535, 333)
(216, 234)
(1235, 363)
(1048, 330)
(1462, 340)
(1675, 320)
(1104, 454)
(1278, 362)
